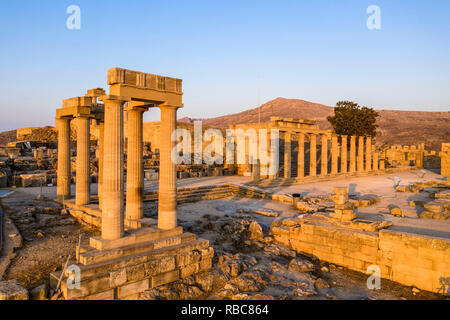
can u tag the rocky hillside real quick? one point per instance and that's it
(7, 136)
(396, 127)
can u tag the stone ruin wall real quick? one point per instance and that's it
(445, 159)
(412, 260)
(397, 155)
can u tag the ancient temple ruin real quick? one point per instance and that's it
(132, 254)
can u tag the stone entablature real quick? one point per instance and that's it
(278, 122)
(145, 87)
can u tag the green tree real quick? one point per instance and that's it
(353, 120)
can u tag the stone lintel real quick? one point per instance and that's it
(300, 130)
(292, 120)
(134, 236)
(114, 97)
(149, 96)
(74, 111)
(144, 80)
(77, 102)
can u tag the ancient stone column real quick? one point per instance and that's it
(352, 166)
(287, 154)
(63, 173)
(360, 166)
(334, 154)
(382, 164)
(269, 154)
(135, 165)
(324, 156)
(301, 155)
(83, 177)
(256, 172)
(375, 161)
(167, 201)
(274, 154)
(343, 154)
(113, 207)
(101, 147)
(368, 154)
(313, 155)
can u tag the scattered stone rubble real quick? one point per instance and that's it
(438, 207)
(12, 290)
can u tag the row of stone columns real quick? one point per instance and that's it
(82, 193)
(111, 166)
(360, 161)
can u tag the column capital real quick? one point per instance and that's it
(142, 108)
(83, 115)
(63, 118)
(167, 106)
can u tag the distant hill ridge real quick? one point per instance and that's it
(396, 127)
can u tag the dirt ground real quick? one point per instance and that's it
(47, 238)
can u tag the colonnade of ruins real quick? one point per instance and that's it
(345, 156)
(348, 154)
(132, 92)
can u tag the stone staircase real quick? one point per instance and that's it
(186, 195)
(144, 258)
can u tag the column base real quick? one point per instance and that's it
(61, 199)
(143, 259)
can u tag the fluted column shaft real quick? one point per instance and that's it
(352, 166)
(382, 165)
(135, 165)
(113, 207)
(313, 155)
(324, 156)
(101, 148)
(82, 195)
(269, 155)
(287, 154)
(343, 154)
(334, 154)
(274, 154)
(63, 172)
(167, 203)
(360, 166)
(375, 161)
(368, 154)
(301, 155)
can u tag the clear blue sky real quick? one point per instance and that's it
(315, 50)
